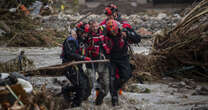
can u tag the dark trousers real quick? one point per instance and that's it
(125, 73)
(80, 84)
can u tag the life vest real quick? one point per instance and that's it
(97, 46)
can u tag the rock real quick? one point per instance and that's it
(161, 16)
(173, 85)
(137, 89)
(177, 16)
(2, 32)
(201, 91)
(59, 82)
(144, 32)
(93, 4)
(13, 10)
(190, 83)
(134, 4)
(182, 84)
(133, 101)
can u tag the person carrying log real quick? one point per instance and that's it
(111, 11)
(119, 58)
(97, 50)
(79, 80)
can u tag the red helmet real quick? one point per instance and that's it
(108, 11)
(112, 26)
(82, 27)
(79, 24)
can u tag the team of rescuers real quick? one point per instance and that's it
(93, 41)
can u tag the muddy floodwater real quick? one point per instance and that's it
(172, 95)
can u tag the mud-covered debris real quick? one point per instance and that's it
(199, 107)
(201, 91)
(59, 82)
(136, 89)
(2, 32)
(38, 100)
(182, 50)
(161, 16)
(144, 32)
(22, 31)
(185, 84)
(5, 27)
(6, 95)
(17, 64)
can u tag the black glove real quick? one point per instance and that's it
(107, 56)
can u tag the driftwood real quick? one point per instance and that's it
(57, 70)
(186, 45)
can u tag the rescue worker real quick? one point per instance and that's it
(111, 11)
(79, 80)
(119, 58)
(97, 50)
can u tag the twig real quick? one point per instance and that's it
(10, 40)
(11, 91)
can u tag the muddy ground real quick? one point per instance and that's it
(167, 94)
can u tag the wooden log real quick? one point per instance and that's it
(57, 70)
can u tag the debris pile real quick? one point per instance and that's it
(144, 67)
(17, 28)
(184, 49)
(143, 23)
(136, 89)
(17, 93)
(38, 100)
(154, 22)
(201, 91)
(7, 4)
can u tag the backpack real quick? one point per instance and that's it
(132, 36)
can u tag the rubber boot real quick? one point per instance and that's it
(67, 93)
(99, 99)
(75, 104)
(76, 101)
(115, 101)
